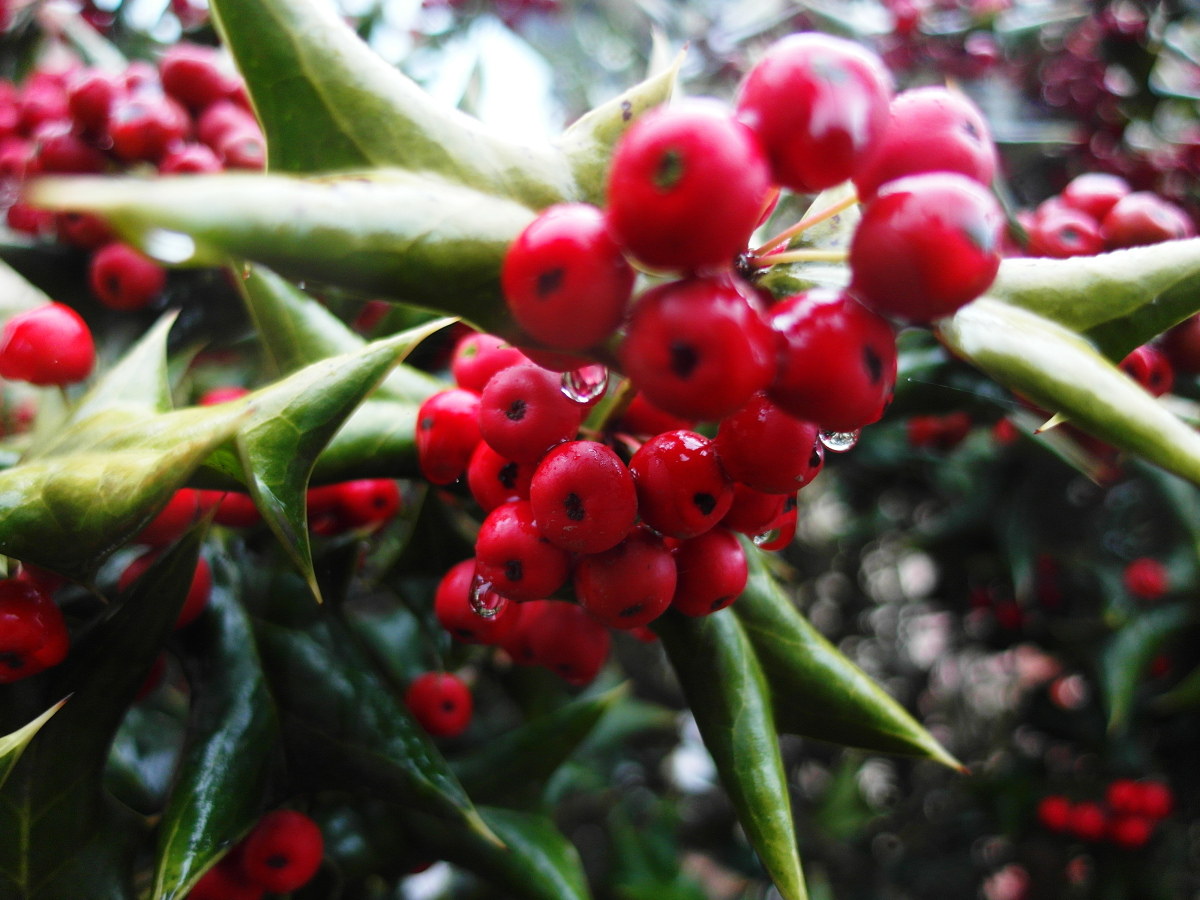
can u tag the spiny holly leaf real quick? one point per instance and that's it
(13, 745)
(328, 103)
(817, 692)
(414, 238)
(535, 862)
(345, 729)
(1061, 372)
(70, 832)
(1119, 299)
(727, 692)
(507, 765)
(218, 792)
(1130, 652)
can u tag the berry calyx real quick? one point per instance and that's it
(441, 703)
(494, 480)
(49, 345)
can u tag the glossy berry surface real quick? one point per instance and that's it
(1095, 193)
(583, 497)
(682, 489)
(236, 510)
(753, 512)
(452, 606)
(926, 245)
(628, 585)
(33, 635)
(495, 480)
(566, 640)
(1064, 232)
(565, 278)
(818, 105)
(931, 129)
(697, 349)
(838, 364)
(441, 703)
(477, 357)
(712, 573)
(1144, 218)
(515, 558)
(523, 413)
(1149, 367)
(368, 501)
(686, 187)
(48, 345)
(763, 447)
(283, 852)
(447, 434)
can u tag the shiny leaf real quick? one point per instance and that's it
(728, 694)
(1130, 652)
(818, 692)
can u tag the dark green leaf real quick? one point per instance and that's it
(727, 692)
(1130, 651)
(414, 238)
(1061, 372)
(218, 793)
(535, 863)
(13, 745)
(506, 765)
(328, 103)
(71, 833)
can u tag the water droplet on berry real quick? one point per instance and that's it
(839, 441)
(168, 246)
(761, 540)
(484, 600)
(586, 384)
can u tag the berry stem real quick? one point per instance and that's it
(793, 256)
(810, 219)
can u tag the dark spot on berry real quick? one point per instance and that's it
(516, 412)
(670, 170)
(683, 359)
(448, 706)
(720, 603)
(626, 110)
(873, 363)
(12, 661)
(969, 128)
(550, 281)
(565, 669)
(427, 423)
(630, 611)
(1070, 235)
(815, 460)
(789, 504)
(513, 570)
(574, 505)
(706, 503)
(112, 284)
(277, 861)
(465, 633)
(507, 475)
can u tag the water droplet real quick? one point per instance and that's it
(761, 540)
(168, 246)
(485, 602)
(303, 285)
(839, 441)
(586, 384)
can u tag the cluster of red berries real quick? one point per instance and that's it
(1130, 813)
(33, 635)
(280, 855)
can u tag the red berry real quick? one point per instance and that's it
(567, 641)
(1147, 579)
(480, 356)
(931, 129)
(170, 524)
(41, 101)
(235, 510)
(517, 640)
(49, 345)
(565, 279)
(686, 187)
(226, 881)
(838, 365)
(143, 127)
(82, 230)
(90, 97)
(243, 148)
(1054, 812)
(124, 279)
(33, 635)
(1095, 193)
(447, 434)
(441, 703)
(1064, 232)
(1123, 795)
(644, 418)
(1088, 822)
(368, 501)
(452, 606)
(523, 413)
(926, 245)
(938, 432)
(324, 510)
(192, 75)
(43, 579)
(1130, 832)
(221, 119)
(30, 220)
(583, 497)
(494, 480)
(682, 490)
(189, 159)
(60, 150)
(753, 512)
(818, 105)
(1156, 800)
(513, 556)
(1149, 367)
(697, 348)
(283, 852)
(628, 585)
(222, 395)
(1144, 218)
(1182, 345)
(712, 573)
(782, 530)
(763, 447)
(198, 592)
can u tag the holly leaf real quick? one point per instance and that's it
(817, 691)
(1120, 300)
(415, 238)
(13, 745)
(218, 791)
(1129, 653)
(535, 862)
(727, 692)
(1061, 372)
(70, 833)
